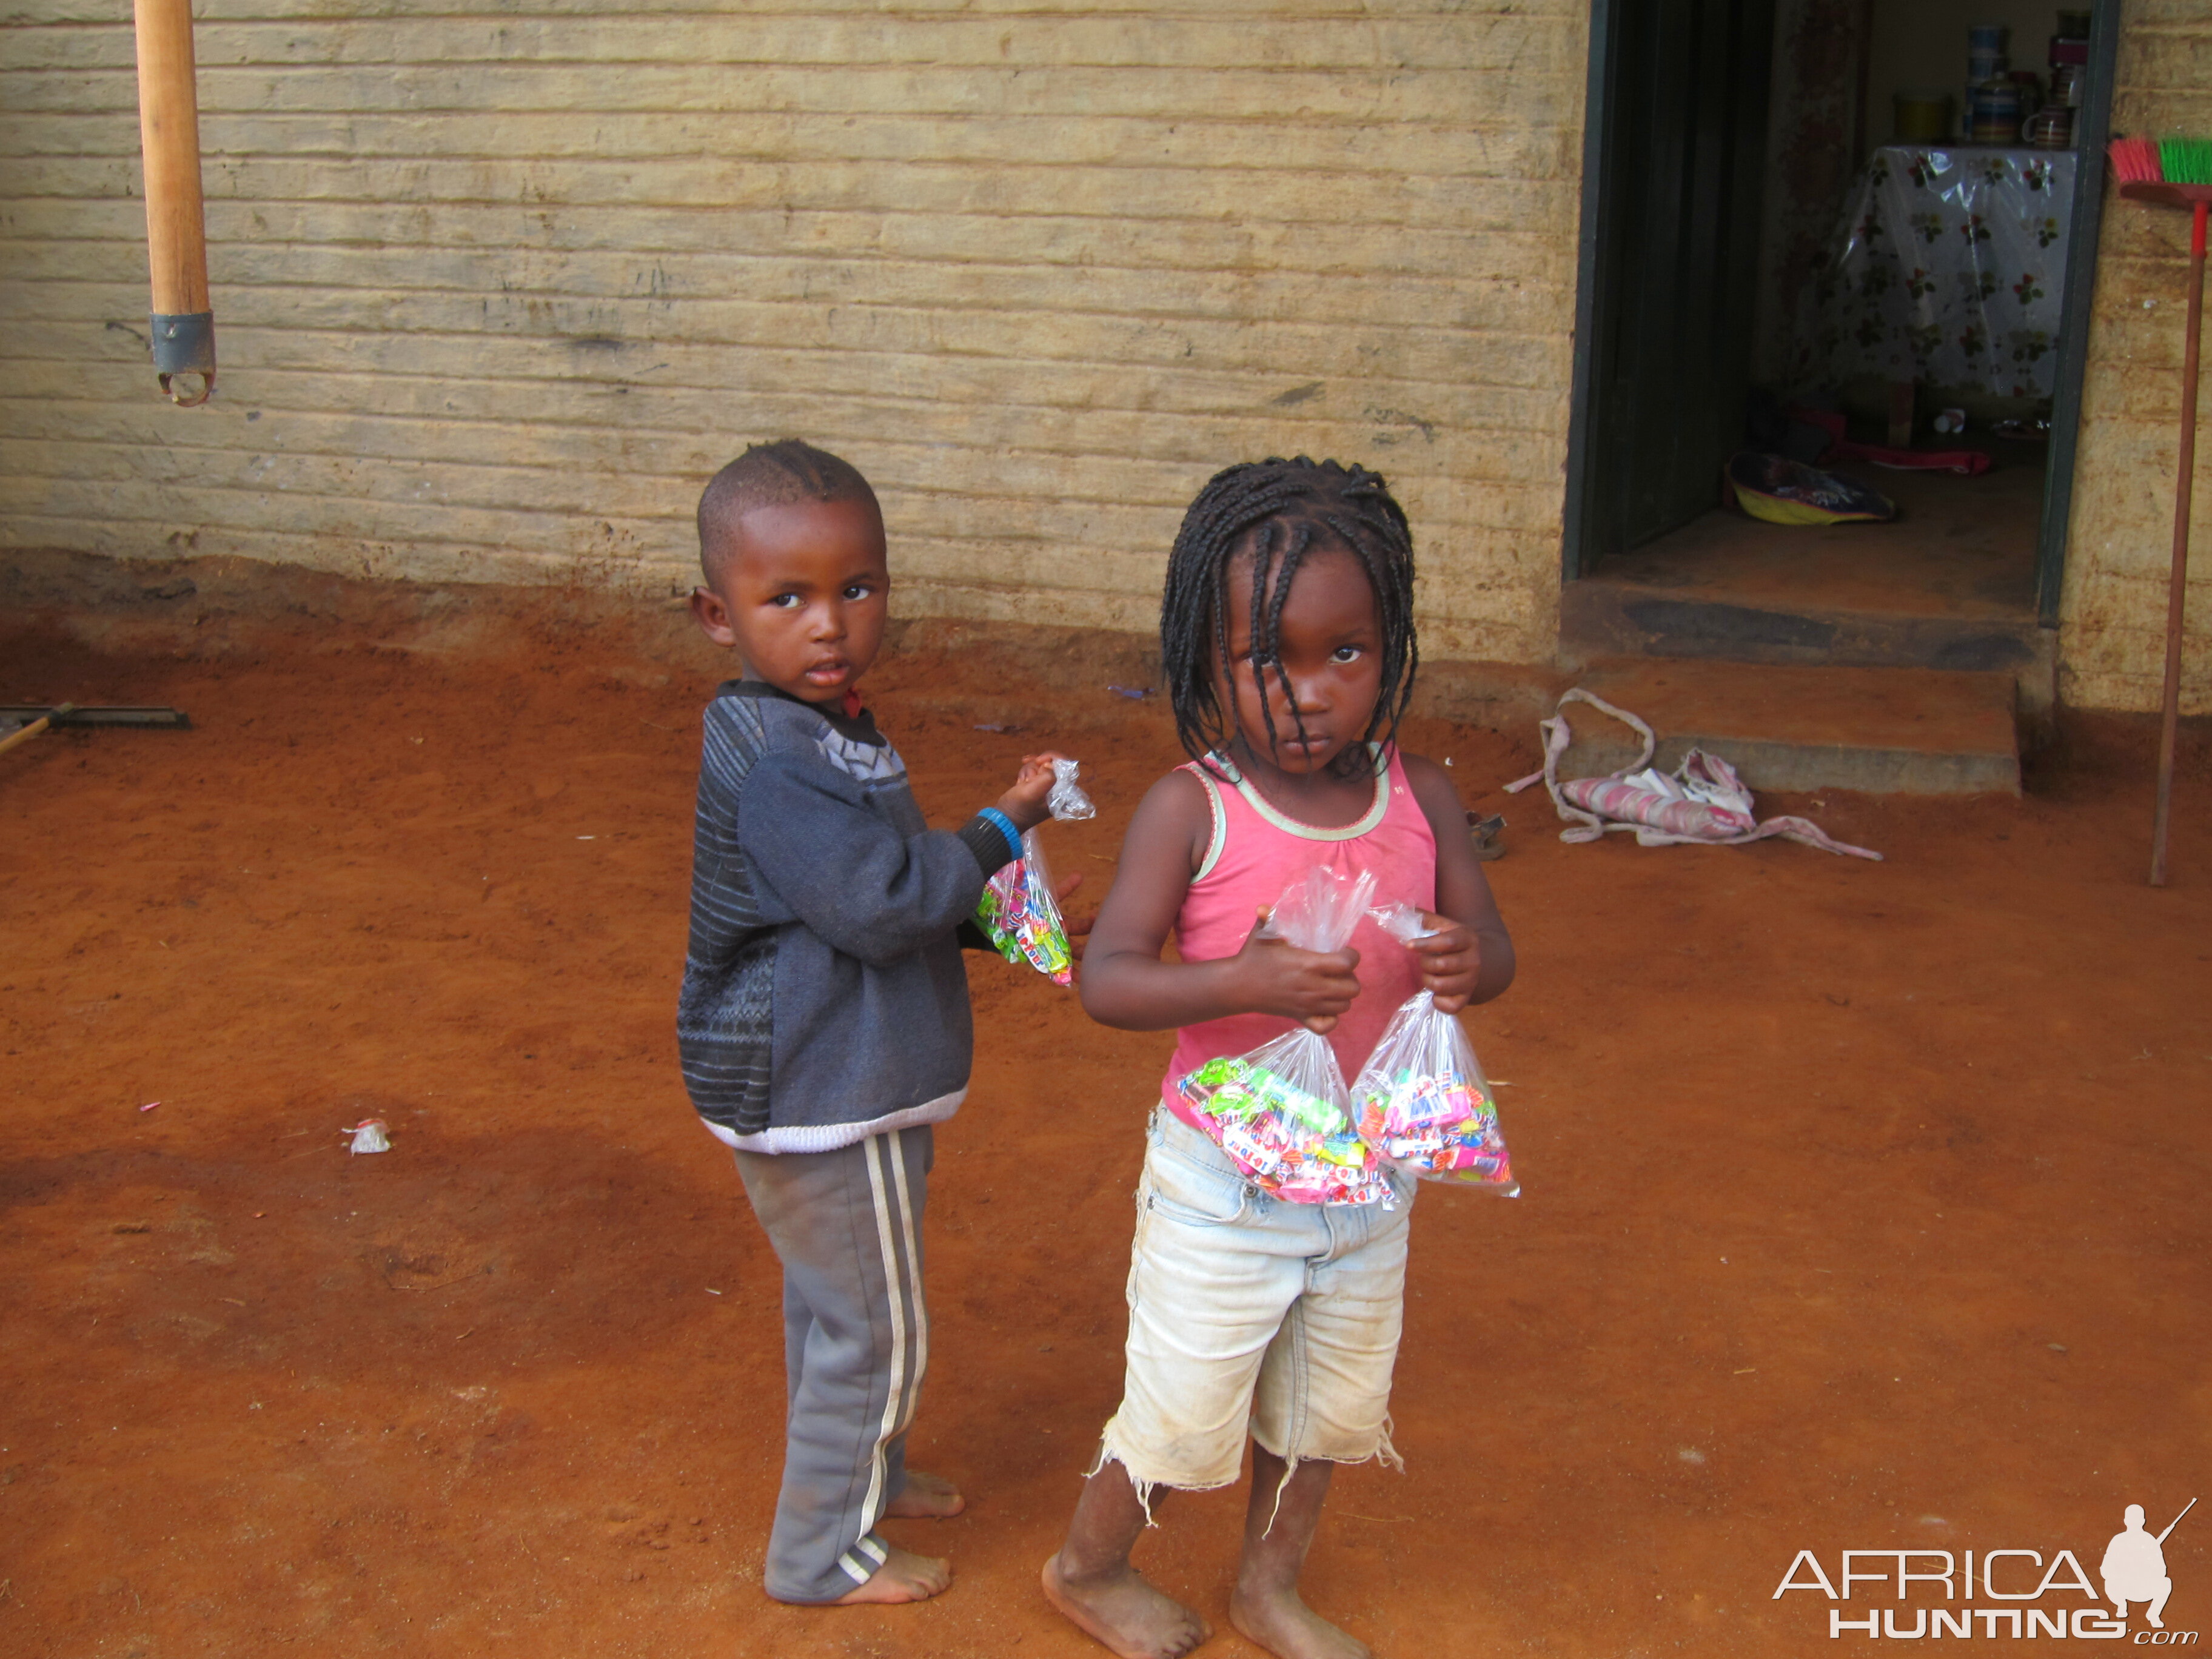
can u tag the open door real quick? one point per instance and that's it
(1673, 159)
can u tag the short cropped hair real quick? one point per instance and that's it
(769, 475)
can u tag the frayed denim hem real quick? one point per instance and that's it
(1147, 1490)
(1147, 1487)
(1384, 1453)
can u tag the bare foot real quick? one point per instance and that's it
(1127, 1613)
(1288, 1628)
(904, 1577)
(926, 1497)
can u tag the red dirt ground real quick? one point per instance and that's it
(1864, 1202)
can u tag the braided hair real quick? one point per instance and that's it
(1279, 511)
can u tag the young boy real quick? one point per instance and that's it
(824, 1024)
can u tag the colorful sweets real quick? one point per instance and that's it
(1287, 1139)
(1422, 1103)
(1281, 1112)
(1443, 1127)
(1019, 915)
(1017, 912)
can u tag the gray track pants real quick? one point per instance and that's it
(846, 1225)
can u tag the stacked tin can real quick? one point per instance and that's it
(1994, 100)
(2052, 128)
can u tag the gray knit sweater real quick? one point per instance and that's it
(824, 999)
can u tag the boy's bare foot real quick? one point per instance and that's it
(1125, 1612)
(926, 1497)
(1288, 1628)
(904, 1577)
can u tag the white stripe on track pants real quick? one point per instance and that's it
(846, 1226)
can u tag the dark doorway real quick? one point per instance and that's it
(1674, 171)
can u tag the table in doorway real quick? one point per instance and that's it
(1949, 269)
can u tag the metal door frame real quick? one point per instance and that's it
(1597, 185)
(2096, 125)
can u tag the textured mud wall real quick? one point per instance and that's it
(494, 292)
(2113, 640)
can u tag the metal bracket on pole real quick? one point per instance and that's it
(185, 345)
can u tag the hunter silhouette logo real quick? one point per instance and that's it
(2134, 1568)
(2025, 1593)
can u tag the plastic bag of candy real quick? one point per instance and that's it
(1019, 913)
(1421, 1100)
(1281, 1112)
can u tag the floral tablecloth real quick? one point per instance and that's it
(1950, 269)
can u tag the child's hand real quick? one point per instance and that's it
(1312, 987)
(1025, 802)
(1450, 960)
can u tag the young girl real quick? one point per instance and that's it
(1287, 638)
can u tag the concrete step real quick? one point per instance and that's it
(1611, 617)
(1886, 731)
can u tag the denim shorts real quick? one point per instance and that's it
(1248, 1314)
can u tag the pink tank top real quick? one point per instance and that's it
(1255, 852)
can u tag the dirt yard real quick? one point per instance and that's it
(1864, 1203)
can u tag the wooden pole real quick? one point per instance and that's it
(176, 223)
(24, 734)
(2180, 580)
(2176, 591)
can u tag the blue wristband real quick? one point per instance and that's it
(1006, 828)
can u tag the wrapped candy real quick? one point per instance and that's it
(1281, 1112)
(1421, 1100)
(1280, 1125)
(1018, 914)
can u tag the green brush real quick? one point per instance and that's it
(2185, 160)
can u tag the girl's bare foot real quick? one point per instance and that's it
(1125, 1612)
(1288, 1628)
(926, 1497)
(904, 1577)
(1279, 1529)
